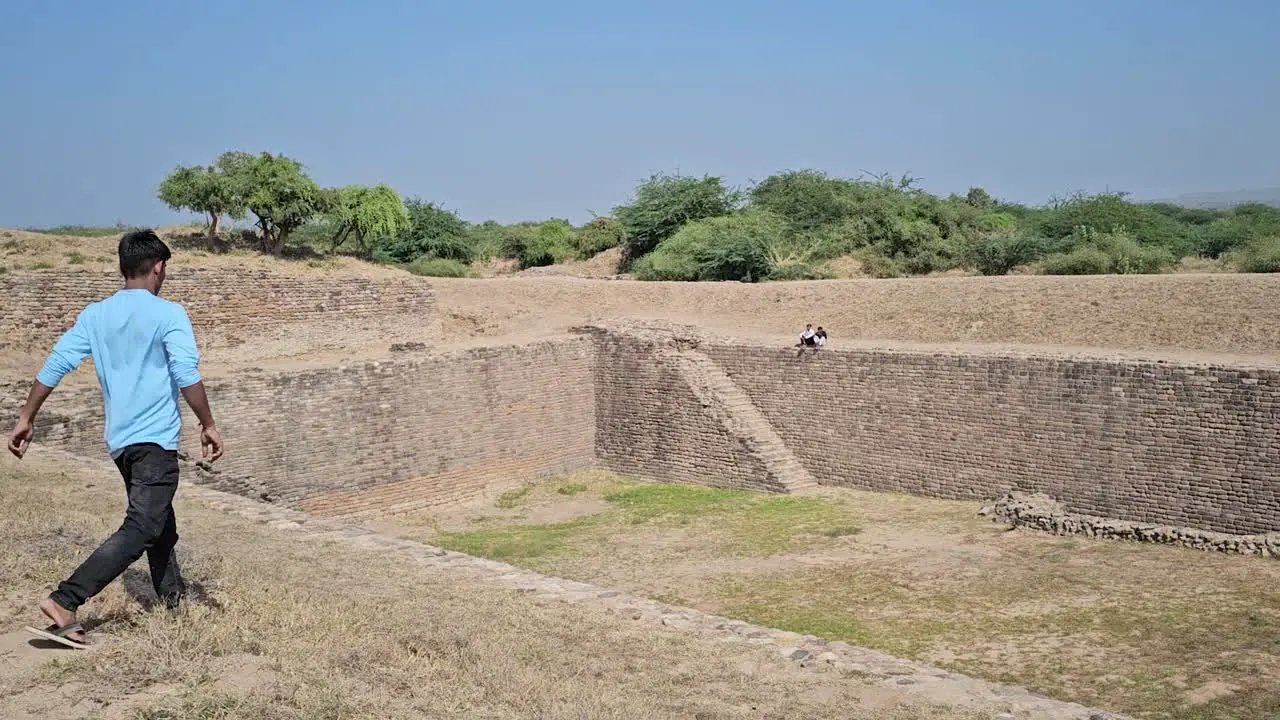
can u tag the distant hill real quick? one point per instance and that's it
(1225, 199)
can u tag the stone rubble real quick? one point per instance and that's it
(1038, 511)
(930, 683)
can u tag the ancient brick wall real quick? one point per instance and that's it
(649, 423)
(380, 437)
(1149, 441)
(37, 306)
(1159, 442)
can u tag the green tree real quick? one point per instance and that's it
(601, 234)
(808, 199)
(203, 189)
(664, 203)
(278, 192)
(979, 198)
(740, 247)
(432, 232)
(366, 213)
(551, 243)
(1112, 212)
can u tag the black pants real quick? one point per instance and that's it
(150, 478)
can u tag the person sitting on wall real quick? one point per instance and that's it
(807, 338)
(820, 336)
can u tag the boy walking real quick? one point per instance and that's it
(144, 353)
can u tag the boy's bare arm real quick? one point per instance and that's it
(210, 437)
(20, 438)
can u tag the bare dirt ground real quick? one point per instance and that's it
(291, 628)
(1149, 630)
(1205, 313)
(1213, 313)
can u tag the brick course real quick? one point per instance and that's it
(1146, 441)
(649, 423)
(1161, 442)
(421, 431)
(224, 304)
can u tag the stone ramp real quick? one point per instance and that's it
(729, 405)
(915, 679)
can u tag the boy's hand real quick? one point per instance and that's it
(210, 443)
(20, 438)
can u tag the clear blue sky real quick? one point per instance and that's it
(527, 110)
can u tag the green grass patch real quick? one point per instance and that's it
(742, 522)
(672, 501)
(512, 498)
(41, 265)
(521, 543)
(733, 522)
(75, 257)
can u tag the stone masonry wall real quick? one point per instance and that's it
(379, 438)
(649, 423)
(37, 306)
(1153, 442)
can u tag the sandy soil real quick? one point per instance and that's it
(1207, 313)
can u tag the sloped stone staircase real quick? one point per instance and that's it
(728, 404)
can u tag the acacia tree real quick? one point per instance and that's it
(366, 212)
(210, 190)
(664, 203)
(278, 192)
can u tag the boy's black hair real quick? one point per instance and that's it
(139, 251)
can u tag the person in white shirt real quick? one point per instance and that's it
(808, 338)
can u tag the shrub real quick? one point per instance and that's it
(807, 199)
(998, 254)
(663, 204)
(432, 232)
(1081, 261)
(997, 222)
(659, 265)
(550, 243)
(935, 255)
(315, 234)
(1262, 256)
(514, 239)
(734, 247)
(744, 258)
(439, 267)
(1110, 212)
(602, 233)
(878, 265)
(1129, 257)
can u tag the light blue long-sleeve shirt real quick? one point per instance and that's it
(144, 351)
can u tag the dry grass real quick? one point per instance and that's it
(295, 628)
(1155, 631)
(25, 250)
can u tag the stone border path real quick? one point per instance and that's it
(928, 683)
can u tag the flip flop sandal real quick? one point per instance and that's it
(59, 634)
